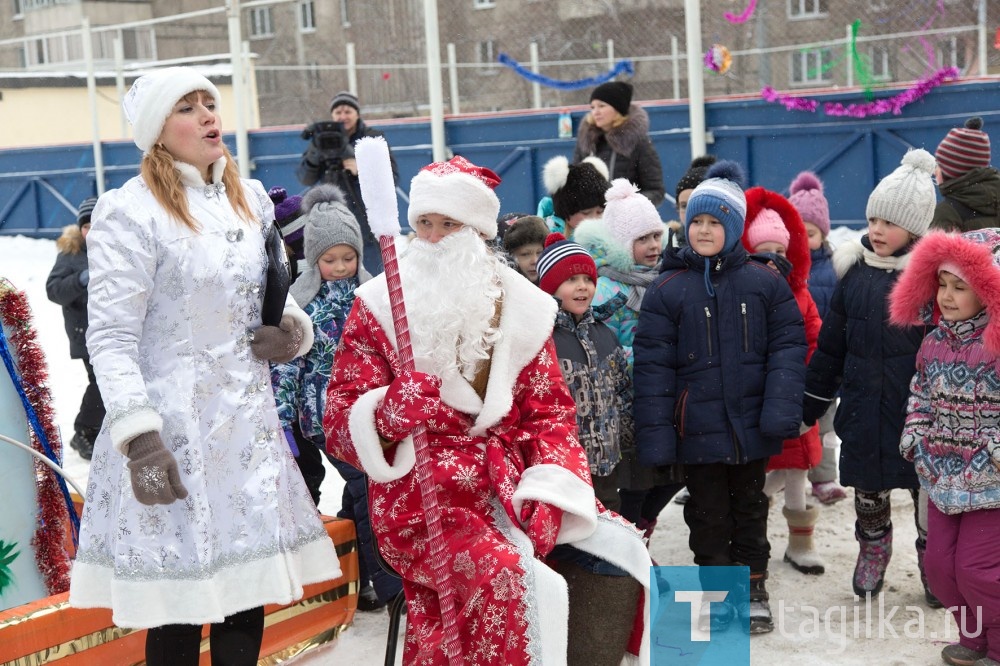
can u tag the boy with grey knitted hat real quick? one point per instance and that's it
(333, 249)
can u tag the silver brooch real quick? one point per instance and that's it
(234, 235)
(215, 190)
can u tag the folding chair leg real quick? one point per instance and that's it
(396, 607)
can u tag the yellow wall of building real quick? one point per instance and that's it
(46, 116)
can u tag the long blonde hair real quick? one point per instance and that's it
(164, 181)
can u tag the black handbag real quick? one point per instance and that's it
(277, 280)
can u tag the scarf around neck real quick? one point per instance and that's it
(638, 278)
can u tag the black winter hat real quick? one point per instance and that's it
(575, 187)
(523, 231)
(616, 93)
(695, 174)
(84, 211)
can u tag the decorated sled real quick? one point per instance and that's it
(38, 531)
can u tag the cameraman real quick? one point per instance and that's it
(330, 159)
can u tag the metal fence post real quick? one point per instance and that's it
(95, 122)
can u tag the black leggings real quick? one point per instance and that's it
(233, 642)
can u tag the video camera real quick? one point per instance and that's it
(329, 138)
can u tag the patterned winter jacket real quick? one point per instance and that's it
(593, 365)
(627, 150)
(300, 385)
(953, 418)
(717, 378)
(952, 429)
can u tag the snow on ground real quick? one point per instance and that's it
(818, 620)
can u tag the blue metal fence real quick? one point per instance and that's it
(40, 187)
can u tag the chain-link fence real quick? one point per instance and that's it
(301, 52)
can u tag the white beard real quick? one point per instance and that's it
(451, 289)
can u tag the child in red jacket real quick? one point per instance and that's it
(775, 228)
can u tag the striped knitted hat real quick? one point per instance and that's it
(963, 149)
(560, 260)
(84, 211)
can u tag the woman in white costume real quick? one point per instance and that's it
(195, 511)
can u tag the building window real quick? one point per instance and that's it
(878, 5)
(951, 52)
(485, 54)
(260, 23)
(314, 75)
(880, 63)
(483, 4)
(798, 9)
(810, 67)
(307, 16)
(17, 8)
(345, 14)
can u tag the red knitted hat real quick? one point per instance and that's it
(560, 260)
(963, 149)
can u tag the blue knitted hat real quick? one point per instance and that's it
(721, 196)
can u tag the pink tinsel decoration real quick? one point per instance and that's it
(741, 18)
(895, 103)
(790, 102)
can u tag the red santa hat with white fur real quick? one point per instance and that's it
(973, 256)
(457, 189)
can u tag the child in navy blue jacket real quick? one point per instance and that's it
(871, 363)
(806, 194)
(719, 370)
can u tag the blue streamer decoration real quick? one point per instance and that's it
(8, 360)
(621, 67)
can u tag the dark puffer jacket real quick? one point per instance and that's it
(872, 363)
(65, 288)
(822, 279)
(627, 150)
(717, 378)
(971, 201)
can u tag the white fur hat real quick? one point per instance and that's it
(151, 98)
(629, 215)
(459, 189)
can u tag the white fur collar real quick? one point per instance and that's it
(191, 177)
(849, 253)
(526, 321)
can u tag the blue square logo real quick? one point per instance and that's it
(700, 615)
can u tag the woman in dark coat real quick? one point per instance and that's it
(617, 131)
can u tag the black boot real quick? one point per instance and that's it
(83, 443)
(761, 621)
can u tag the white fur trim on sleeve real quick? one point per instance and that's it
(368, 444)
(130, 426)
(293, 310)
(561, 488)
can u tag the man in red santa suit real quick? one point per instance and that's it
(512, 480)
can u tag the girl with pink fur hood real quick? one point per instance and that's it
(952, 428)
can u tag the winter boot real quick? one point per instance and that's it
(869, 572)
(759, 609)
(602, 610)
(800, 552)
(83, 443)
(929, 597)
(957, 654)
(716, 616)
(828, 492)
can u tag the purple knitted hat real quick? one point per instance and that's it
(806, 194)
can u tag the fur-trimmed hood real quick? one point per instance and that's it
(975, 253)
(71, 241)
(759, 199)
(622, 139)
(595, 237)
